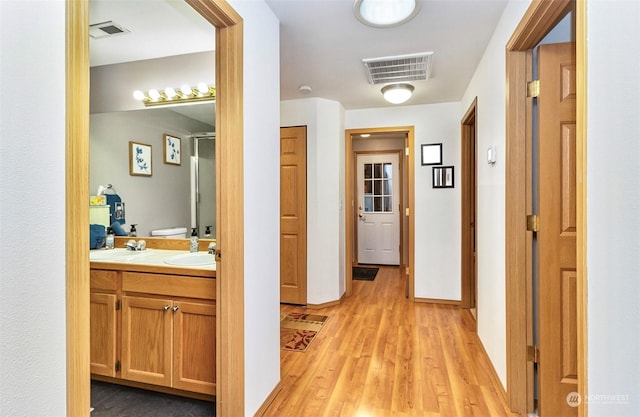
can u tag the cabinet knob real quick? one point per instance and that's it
(176, 308)
(167, 307)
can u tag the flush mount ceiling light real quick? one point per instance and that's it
(170, 95)
(385, 13)
(397, 93)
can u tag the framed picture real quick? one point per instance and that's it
(172, 150)
(431, 154)
(139, 159)
(443, 177)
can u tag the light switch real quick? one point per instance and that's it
(491, 155)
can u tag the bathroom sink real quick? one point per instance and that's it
(191, 259)
(112, 254)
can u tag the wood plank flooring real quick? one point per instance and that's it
(381, 355)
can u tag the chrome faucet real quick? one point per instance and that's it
(133, 246)
(212, 248)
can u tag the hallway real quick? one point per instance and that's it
(381, 355)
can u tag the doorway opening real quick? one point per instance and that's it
(390, 142)
(468, 186)
(537, 22)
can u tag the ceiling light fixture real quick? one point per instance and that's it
(385, 13)
(397, 93)
(170, 95)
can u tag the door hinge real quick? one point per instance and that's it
(117, 304)
(533, 223)
(118, 366)
(406, 151)
(533, 88)
(533, 354)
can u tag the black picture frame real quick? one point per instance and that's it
(431, 154)
(443, 177)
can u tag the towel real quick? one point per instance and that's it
(97, 235)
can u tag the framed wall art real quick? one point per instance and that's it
(431, 154)
(443, 177)
(139, 159)
(172, 149)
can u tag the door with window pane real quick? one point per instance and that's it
(378, 205)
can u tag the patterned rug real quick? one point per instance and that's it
(297, 330)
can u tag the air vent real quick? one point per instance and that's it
(106, 29)
(393, 69)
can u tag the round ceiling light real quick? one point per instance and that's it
(385, 13)
(397, 93)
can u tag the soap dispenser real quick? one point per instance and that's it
(133, 232)
(207, 232)
(110, 241)
(193, 242)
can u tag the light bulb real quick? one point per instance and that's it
(139, 95)
(186, 90)
(170, 93)
(154, 94)
(203, 88)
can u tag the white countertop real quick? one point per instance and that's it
(155, 257)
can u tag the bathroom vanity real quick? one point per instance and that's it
(153, 323)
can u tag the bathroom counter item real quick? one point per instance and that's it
(173, 232)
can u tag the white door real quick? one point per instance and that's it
(378, 207)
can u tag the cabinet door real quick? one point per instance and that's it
(146, 340)
(103, 334)
(194, 367)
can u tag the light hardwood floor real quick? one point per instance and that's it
(381, 355)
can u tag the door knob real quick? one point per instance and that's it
(175, 308)
(165, 308)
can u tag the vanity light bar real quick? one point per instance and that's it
(170, 95)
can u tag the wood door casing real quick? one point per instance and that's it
(468, 186)
(557, 297)
(293, 215)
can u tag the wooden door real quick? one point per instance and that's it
(378, 200)
(103, 334)
(146, 340)
(557, 297)
(194, 343)
(468, 186)
(293, 215)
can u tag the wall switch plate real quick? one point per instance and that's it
(491, 155)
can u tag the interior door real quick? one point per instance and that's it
(293, 215)
(557, 298)
(378, 199)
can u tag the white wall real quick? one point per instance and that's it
(325, 193)
(261, 201)
(32, 209)
(437, 216)
(489, 87)
(613, 205)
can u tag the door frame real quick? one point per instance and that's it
(230, 396)
(538, 20)
(400, 195)
(468, 146)
(407, 223)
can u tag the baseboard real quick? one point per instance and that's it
(438, 301)
(327, 304)
(267, 402)
(492, 371)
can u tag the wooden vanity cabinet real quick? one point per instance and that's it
(103, 322)
(167, 331)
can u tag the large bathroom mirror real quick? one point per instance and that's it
(133, 51)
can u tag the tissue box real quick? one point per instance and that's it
(98, 200)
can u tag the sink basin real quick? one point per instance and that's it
(113, 254)
(191, 259)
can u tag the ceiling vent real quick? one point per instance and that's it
(394, 69)
(106, 29)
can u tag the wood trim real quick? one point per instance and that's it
(437, 301)
(229, 113)
(349, 202)
(267, 402)
(164, 243)
(466, 177)
(580, 15)
(541, 17)
(77, 215)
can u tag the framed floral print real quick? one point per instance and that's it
(172, 150)
(139, 159)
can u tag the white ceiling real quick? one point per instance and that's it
(321, 43)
